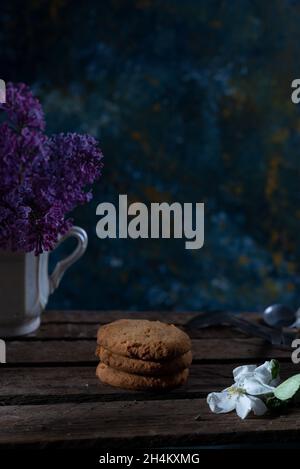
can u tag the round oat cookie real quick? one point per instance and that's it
(121, 379)
(143, 367)
(143, 339)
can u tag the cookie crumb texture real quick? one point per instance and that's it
(130, 381)
(143, 339)
(143, 367)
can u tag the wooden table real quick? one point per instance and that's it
(50, 397)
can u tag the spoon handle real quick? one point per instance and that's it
(275, 336)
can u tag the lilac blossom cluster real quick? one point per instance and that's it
(42, 178)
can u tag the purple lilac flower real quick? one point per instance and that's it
(22, 108)
(42, 178)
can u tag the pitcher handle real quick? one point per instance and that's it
(62, 266)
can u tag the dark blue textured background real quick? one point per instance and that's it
(191, 102)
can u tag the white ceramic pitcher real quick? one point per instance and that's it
(25, 285)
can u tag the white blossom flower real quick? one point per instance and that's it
(235, 398)
(251, 384)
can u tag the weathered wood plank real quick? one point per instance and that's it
(103, 317)
(84, 325)
(138, 424)
(79, 384)
(89, 331)
(72, 408)
(79, 351)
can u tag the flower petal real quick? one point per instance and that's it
(255, 387)
(243, 406)
(241, 371)
(258, 406)
(264, 372)
(221, 402)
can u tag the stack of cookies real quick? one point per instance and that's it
(143, 355)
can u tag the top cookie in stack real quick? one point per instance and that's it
(143, 355)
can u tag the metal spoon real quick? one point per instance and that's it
(279, 316)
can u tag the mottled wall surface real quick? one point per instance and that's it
(191, 102)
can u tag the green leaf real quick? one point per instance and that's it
(288, 388)
(275, 366)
